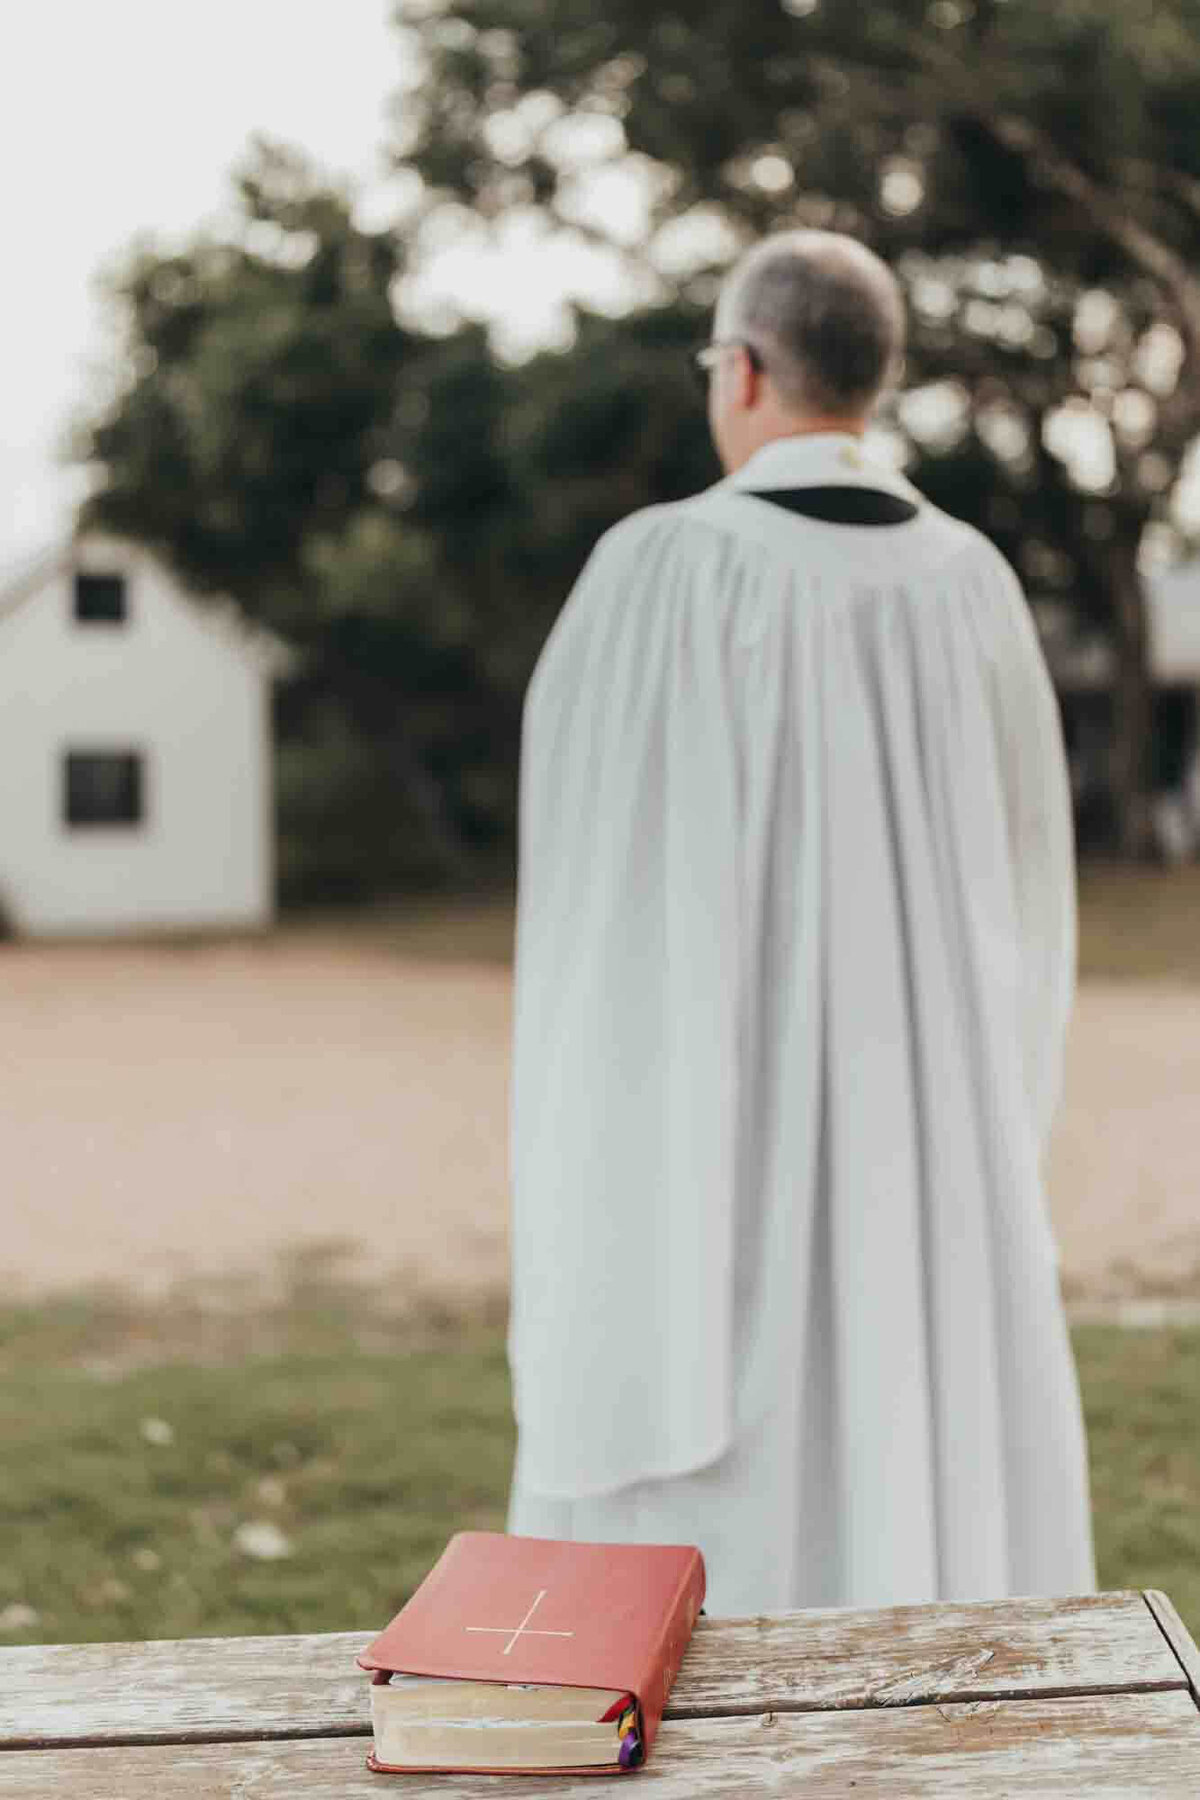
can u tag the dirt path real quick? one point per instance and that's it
(181, 1112)
(1124, 1167)
(193, 1111)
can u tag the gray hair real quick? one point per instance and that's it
(825, 314)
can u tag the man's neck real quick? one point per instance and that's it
(822, 424)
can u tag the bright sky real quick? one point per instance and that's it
(124, 118)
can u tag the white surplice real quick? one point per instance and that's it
(795, 956)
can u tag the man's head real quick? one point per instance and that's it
(809, 329)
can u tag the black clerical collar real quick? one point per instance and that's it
(841, 504)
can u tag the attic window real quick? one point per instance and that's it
(100, 599)
(103, 787)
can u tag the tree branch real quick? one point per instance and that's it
(1103, 206)
(1148, 252)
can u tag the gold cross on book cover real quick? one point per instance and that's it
(581, 1691)
(518, 1631)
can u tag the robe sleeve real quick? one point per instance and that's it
(1042, 850)
(624, 1084)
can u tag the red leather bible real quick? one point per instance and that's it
(540, 1613)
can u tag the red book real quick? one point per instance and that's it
(527, 1615)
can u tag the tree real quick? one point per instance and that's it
(1035, 172)
(255, 447)
(409, 510)
(402, 509)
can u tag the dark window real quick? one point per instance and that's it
(103, 787)
(100, 599)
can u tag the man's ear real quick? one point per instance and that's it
(749, 380)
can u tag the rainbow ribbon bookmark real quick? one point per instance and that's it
(630, 1754)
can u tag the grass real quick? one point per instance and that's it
(1141, 1393)
(125, 1483)
(138, 1443)
(1136, 923)
(1139, 924)
(466, 929)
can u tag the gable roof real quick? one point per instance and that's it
(31, 576)
(220, 615)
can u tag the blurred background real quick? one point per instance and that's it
(333, 340)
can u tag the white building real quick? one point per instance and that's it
(135, 751)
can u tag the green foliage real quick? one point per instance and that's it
(836, 90)
(261, 447)
(405, 511)
(262, 378)
(1007, 156)
(409, 511)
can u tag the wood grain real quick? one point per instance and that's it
(1179, 1638)
(1144, 1745)
(904, 1656)
(194, 1689)
(215, 1689)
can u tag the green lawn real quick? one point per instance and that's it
(1138, 924)
(1135, 923)
(130, 1461)
(123, 1487)
(1141, 1391)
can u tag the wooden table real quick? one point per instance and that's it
(1092, 1697)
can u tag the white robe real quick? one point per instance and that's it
(795, 955)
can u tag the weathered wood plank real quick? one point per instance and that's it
(224, 1688)
(1146, 1745)
(903, 1656)
(194, 1689)
(1179, 1638)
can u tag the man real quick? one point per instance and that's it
(795, 956)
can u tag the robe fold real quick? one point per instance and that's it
(795, 957)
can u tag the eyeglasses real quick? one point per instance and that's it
(705, 360)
